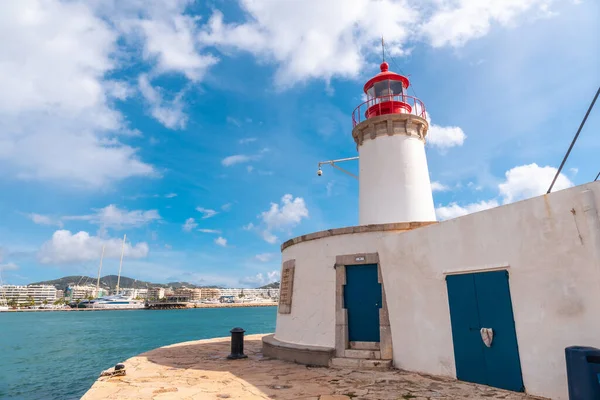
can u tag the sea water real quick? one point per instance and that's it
(60, 354)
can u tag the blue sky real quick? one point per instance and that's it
(195, 127)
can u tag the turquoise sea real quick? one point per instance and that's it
(59, 355)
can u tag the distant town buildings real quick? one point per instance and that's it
(264, 293)
(28, 295)
(82, 292)
(36, 295)
(192, 294)
(210, 293)
(133, 293)
(156, 293)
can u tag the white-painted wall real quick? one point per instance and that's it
(312, 320)
(394, 183)
(552, 256)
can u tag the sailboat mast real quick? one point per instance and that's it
(121, 263)
(99, 271)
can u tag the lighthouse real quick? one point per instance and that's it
(389, 129)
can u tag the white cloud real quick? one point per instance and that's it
(265, 257)
(44, 220)
(458, 22)
(326, 39)
(238, 159)
(206, 212)
(9, 267)
(56, 108)
(314, 39)
(444, 137)
(247, 140)
(531, 180)
(329, 188)
(221, 241)
(260, 279)
(209, 230)
(268, 237)
(226, 206)
(286, 215)
(66, 248)
(453, 210)
(170, 195)
(248, 227)
(281, 217)
(190, 224)
(234, 121)
(168, 113)
(118, 90)
(522, 182)
(438, 187)
(170, 41)
(114, 217)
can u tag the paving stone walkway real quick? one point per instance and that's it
(200, 370)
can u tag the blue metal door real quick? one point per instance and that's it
(482, 300)
(362, 299)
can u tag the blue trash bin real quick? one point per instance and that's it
(583, 372)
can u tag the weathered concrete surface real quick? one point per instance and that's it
(200, 370)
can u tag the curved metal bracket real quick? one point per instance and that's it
(333, 164)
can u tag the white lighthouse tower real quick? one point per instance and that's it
(389, 130)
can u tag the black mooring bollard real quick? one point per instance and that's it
(237, 344)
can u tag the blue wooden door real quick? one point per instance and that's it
(362, 299)
(482, 300)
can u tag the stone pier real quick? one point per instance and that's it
(200, 370)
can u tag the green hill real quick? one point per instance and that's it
(273, 285)
(62, 283)
(110, 282)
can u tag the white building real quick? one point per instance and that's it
(134, 293)
(492, 297)
(156, 293)
(192, 294)
(263, 293)
(81, 292)
(24, 295)
(211, 293)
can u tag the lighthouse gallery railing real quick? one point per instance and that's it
(388, 104)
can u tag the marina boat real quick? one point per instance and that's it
(115, 302)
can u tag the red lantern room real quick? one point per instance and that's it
(386, 94)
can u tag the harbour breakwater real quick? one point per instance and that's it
(187, 305)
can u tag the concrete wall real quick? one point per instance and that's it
(550, 246)
(394, 181)
(312, 320)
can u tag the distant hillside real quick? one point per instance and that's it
(62, 283)
(274, 285)
(110, 282)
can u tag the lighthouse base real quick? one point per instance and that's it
(412, 292)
